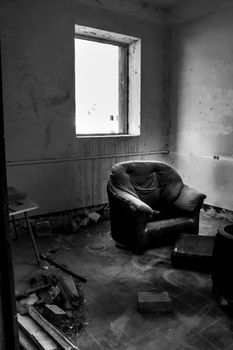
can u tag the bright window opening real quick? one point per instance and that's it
(97, 84)
(107, 83)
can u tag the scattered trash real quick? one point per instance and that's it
(42, 229)
(62, 267)
(55, 303)
(94, 217)
(84, 222)
(223, 301)
(74, 226)
(30, 300)
(68, 222)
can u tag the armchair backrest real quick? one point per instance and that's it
(150, 181)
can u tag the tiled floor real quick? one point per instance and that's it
(114, 277)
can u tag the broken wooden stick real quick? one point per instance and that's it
(62, 267)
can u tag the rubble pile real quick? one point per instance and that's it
(56, 302)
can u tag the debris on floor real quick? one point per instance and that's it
(154, 302)
(67, 222)
(94, 217)
(30, 329)
(63, 267)
(55, 303)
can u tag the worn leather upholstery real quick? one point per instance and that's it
(150, 204)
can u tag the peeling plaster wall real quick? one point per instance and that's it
(59, 171)
(202, 100)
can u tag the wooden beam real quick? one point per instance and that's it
(7, 289)
(26, 342)
(36, 333)
(51, 330)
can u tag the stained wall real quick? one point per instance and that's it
(44, 157)
(201, 132)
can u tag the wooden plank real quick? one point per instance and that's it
(26, 342)
(36, 333)
(51, 330)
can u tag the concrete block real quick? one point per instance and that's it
(154, 302)
(53, 313)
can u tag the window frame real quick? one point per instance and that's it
(131, 100)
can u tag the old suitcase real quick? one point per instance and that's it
(194, 252)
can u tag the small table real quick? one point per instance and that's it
(20, 203)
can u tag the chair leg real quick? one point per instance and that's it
(196, 218)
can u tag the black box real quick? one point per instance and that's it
(193, 252)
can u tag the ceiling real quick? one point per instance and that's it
(162, 11)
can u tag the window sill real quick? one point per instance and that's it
(105, 136)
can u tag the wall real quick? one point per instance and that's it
(44, 158)
(2, 342)
(201, 99)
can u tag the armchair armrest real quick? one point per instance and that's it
(189, 199)
(131, 201)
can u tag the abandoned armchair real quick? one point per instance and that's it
(150, 204)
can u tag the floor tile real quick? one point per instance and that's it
(195, 300)
(149, 341)
(217, 335)
(197, 342)
(86, 342)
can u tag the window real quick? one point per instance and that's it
(101, 87)
(107, 83)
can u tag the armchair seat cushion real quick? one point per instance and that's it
(166, 231)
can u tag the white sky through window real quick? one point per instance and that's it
(97, 87)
